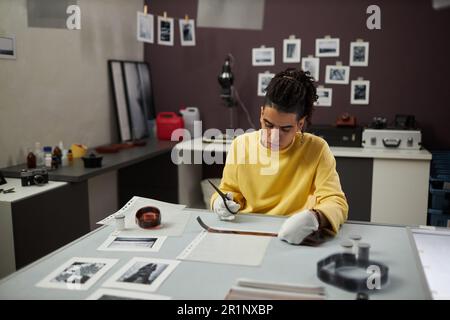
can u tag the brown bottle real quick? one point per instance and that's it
(31, 160)
(57, 152)
(70, 157)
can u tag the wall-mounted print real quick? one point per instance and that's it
(7, 47)
(187, 32)
(165, 31)
(145, 30)
(325, 97)
(327, 47)
(263, 56)
(360, 92)
(312, 65)
(359, 54)
(337, 74)
(291, 50)
(263, 82)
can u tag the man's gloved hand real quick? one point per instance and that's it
(221, 210)
(298, 226)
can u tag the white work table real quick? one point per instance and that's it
(391, 245)
(381, 185)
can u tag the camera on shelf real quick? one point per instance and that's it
(33, 177)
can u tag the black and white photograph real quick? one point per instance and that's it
(291, 50)
(77, 273)
(7, 47)
(112, 294)
(119, 94)
(312, 65)
(359, 54)
(143, 274)
(327, 47)
(145, 30)
(263, 82)
(263, 56)
(337, 74)
(187, 32)
(165, 31)
(138, 111)
(325, 97)
(360, 92)
(132, 243)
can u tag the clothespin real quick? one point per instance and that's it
(263, 46)
(310, 56)
(145, 9)
(320, 87)
(165, 15)
(186, 18)
(267, 72)
(359, 40)
(339, 63)
(292, 36)
(360, 79)
(327, 37)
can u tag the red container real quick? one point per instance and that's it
(166, 123)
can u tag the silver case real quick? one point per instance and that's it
(392, 139)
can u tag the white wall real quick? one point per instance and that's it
(58, 88)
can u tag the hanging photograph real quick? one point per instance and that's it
(291, 50)
(144, 243)
(360, 92)
(263, 56)
(359, 54)
(263, 82)
(187, 32)
(112, 294)
(77, 273)
(143, 274)
(145, 27)
(165, 31)
(337, 74)
(327, 47)
(312, 65)
(138, 112)
(7, 47)
(325, 97)
(120, 100)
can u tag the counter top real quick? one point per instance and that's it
(198, 145)
(25, 192)
(111, 161)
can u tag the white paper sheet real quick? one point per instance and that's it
(77, 273)
(226, 248)
(173, 218)
(143, 274)
(434, 251)
(112, 294)
(144, 243)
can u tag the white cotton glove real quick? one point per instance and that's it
(298, 226)
(221, 210)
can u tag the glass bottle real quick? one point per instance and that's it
(31, 160)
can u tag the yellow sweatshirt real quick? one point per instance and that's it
(299, 177)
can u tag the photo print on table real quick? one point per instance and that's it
(145, 31)
(142, 274)
(112, 294)
(360, 92)
(327, 47)
(263, 82)
(77, 274)
(291, 50)
(165, 31)
(325, 96)
(263, 56)
(187, 32)
(359, 54)
(312, 65)
(337, 74)
(132, 243)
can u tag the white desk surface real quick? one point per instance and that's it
(25, 192)
(200, 280)
(198, 145)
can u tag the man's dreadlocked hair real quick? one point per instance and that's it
(292, 91)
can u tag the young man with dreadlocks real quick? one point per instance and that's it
(306, 186)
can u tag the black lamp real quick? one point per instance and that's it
(226, 82)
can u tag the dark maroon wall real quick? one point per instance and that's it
(409, 61)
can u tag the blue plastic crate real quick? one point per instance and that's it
(438, 218)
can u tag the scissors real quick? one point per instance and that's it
(224, 198)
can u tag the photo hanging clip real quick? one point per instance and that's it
(165, 15)
(327, 37)
(186, 18)
(145, 9)
(292, 36)
(339, 63)
(359, 40)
